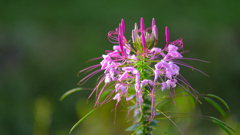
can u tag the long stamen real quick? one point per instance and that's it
(89, 68)
(89, 76)
(183, 64)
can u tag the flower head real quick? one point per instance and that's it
(129, 67)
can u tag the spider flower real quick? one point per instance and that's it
(128, 71)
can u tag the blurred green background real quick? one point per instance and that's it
(43, 45)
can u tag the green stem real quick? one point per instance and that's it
(143, 96)
(143, 119)
(146, 103)
(146, 128)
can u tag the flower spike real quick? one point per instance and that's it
(138, 71)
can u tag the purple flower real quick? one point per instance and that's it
(125, 66)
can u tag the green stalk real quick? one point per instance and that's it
(143, 96)
(143, 114)
(145, 107)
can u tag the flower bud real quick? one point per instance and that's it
(123, 26)
(167, 37)
(142, 25)
(121, 44)
(155, 31)
(143, 42)
(120, 30)
(136, 28)
(133, 36)
(153, 22)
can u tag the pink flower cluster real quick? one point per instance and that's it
(124, 67)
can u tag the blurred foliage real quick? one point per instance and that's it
(43, 44)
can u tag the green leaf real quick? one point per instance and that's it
(161, 102)
(220, 99)
(216, 105)
(131, 107)
(157, 113)
(105, 94)
(81, 120)
(134, 127)
(139, 132)
(138, 63)
(139, 57)
(146, 75)
(153, 123)
(219, 122)
(221, 126)
(70, 92)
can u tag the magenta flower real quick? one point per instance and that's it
(128, 68)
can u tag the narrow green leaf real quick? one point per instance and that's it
(130, 119)
(139, 132)
(131, 107)
(216, 105)
(222, 123)
(153, 123)
(104, 95)
(157, 113)
(70, 92)
(161, 102)
(134, 127)
(220, 99)
(81, 120)
(221, 126)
